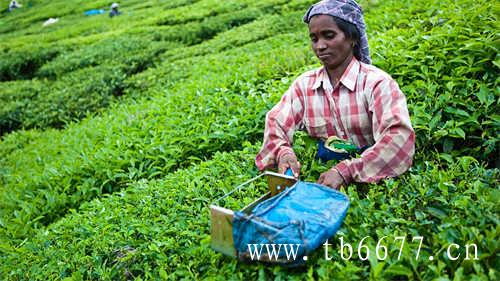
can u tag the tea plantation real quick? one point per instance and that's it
(117, 133)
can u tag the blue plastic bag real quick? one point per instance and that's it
(94, 12)
(306, 214)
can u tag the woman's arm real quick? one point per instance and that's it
(281, 123)
(394, 147)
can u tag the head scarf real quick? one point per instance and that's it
(347, 10)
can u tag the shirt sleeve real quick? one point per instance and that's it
(394, 147)
(281, 123)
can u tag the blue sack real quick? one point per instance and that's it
(306, 214)
(93, 12)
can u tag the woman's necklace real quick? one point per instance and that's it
(333, 80)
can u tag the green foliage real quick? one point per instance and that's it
(160, 228)
(264, 27)
(206, 9)
(24, 26)
(22, 64)
(125, 50)
(104, 155)
(14, 97)
(40, 104)
(444, 58)
(195, 32)
(73, 96)
(110, 61)
(161, 110)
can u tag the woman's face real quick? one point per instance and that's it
(329, 42)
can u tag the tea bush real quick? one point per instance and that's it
(195, 32)
(204, 9)
(25, 25)
(22, 64)
(14, 96)
(445, 58)
(264, 27)
(70, 98)
(118, 195)
(108, 51)
(154, 230)
(129, 53)
(138, 141)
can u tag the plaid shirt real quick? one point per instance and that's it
(366, 107)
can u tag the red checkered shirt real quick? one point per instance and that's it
(366, 107)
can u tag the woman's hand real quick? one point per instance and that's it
(289, 160)
(331, 178)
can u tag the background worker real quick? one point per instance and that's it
(348, 98)
(114, 10)
(14, 5)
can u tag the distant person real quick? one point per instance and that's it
(14, 5)
(114, 10)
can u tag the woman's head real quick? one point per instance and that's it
(348, 17)
(334, 46)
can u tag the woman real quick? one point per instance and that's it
(348, 98)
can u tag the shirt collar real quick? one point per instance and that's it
(348, 79)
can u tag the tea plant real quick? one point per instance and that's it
(138, 141)
(161, 111)
(160, 228)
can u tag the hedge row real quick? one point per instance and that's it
(73, 96)
(109, 63)
(115, 50)
(446, 60)
(203, 9)
(261, 28)
(24, 63)
(196, 32)
(26, 23)
(210, 112)
(159, 229)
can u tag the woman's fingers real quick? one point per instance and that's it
(295, 165)
(282, 167)
(321, 178)
(330, 178)
(289, 161)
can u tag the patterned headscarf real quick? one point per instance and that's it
(347, 10)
